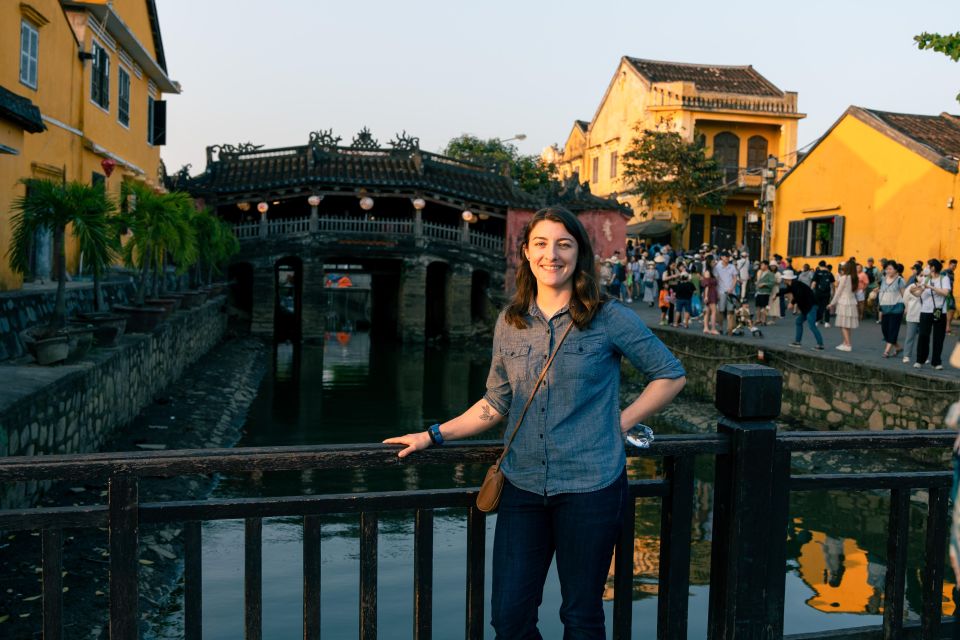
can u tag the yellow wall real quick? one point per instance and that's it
(894, 201)
(630, 101)
(73, 149)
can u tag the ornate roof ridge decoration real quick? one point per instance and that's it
(365, 140)
(324, 138)
(405, 142)
(233, 150)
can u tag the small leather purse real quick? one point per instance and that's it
(489, 495)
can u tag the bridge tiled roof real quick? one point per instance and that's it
(345, 168)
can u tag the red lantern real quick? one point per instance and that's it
(108, 164)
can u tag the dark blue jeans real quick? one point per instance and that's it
(581, 528)
(810, 317)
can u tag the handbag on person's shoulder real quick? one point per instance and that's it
(488, 498)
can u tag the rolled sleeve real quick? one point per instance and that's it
(629, 335)
(499, 392)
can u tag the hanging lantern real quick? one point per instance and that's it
(314, 200)
(243, 206)
(419, 203)
(262, 207)
(484, 216)
(108, 165)
(366, 203)
(467, 215)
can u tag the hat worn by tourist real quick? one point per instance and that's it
(658, 259)
(788, 274)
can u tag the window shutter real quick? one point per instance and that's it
(795, 239)
(159, 122)
(837, 235)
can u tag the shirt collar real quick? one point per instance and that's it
(535, 311)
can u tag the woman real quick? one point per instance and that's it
(708, 282)
(892, 307)
(566, 484)
(766, 280)
(636, 274)
(774, 310)
(863, 281)
(933, 289)
(844, 303)
(650, 284)
(911, 315)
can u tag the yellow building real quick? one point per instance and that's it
(877, 184)
(81, 86)
(742, 116)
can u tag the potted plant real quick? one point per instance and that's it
(823, 237)
(55, 205)
(216, 243)
(98, 256)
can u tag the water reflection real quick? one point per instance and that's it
(349, 389)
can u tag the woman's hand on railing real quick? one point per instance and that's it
(413, 442)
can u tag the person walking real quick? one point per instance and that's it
(933, 288)
(911, 315)
(800, 298)
(566, 491)
(650, 284)
(766, 281)
(892, 306)
(845, 303)
(709, 284)
(863, 281)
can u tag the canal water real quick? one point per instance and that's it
(351, 390)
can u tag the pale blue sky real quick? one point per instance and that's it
(272, 72)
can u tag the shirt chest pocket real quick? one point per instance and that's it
(582, 358)
(516, 360)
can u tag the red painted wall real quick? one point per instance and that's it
(607, 231)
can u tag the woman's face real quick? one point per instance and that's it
(932, 269)
(891, 270)
(552, 253)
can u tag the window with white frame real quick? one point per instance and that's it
(123, 96)
(100, 76)
(29, 53)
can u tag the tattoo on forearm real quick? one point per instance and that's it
(485, 413)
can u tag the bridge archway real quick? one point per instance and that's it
(288, 299)
(436, 322)
(480, 296)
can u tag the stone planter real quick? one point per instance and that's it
(169, 304)
(141, 319)
(108, 327)
(79, 339)
(46, 351)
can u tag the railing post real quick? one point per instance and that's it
(124, 532)
(263, 224)
(465, 233)
(751, 503)
(314, 224)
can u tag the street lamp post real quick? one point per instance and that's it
(517, 136)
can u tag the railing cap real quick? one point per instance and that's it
(748, 391)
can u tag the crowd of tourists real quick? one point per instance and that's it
(724, 291)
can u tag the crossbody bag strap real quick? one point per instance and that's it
(543, 374)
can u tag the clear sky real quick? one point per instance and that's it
(272, 72)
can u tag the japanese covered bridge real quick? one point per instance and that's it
(429, 240)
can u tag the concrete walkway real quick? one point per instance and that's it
(867, 342)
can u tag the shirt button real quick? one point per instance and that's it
(542, 409)
(543, 462)
(541, 436)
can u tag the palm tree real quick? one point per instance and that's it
(160, 229)
(54, 205)
(216, 242)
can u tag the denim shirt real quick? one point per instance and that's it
(570, 440)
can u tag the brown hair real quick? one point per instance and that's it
(850, 269)
(587, 297)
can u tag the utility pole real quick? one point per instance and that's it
(768, 192)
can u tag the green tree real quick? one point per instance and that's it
(529, 172)
(664, 169)
(216, 242)
(948, 45)
(55, 205)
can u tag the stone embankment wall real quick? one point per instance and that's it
(21, 310)
(74, 408)
(822, 392)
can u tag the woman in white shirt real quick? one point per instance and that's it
(933, 289)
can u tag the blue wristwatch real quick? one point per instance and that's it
(435, 436)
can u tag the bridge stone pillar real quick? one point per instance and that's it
(459, 286)
(264, 300)
(412, 301)
(314, 300)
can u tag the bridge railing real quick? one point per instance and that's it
(362, 226)
(752, 486)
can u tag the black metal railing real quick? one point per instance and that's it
(752, 489)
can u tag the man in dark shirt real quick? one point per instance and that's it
(683, 290)
(801, 298)
(822, 292)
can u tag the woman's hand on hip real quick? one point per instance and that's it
(413, 442)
